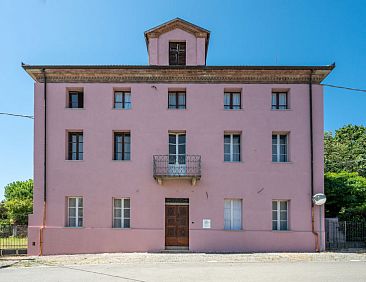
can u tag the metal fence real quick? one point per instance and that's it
(344, 234)
(13, 239)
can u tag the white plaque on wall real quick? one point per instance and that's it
(206, 223)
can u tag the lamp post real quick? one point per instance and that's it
(319, 200)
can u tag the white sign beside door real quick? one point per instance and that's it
(206, 223)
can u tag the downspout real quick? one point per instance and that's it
(41, 235)
(312, 162)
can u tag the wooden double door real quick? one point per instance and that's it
(176, 225)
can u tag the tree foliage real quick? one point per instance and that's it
(18, 201)
(346, 150)
(345, 177)
(346, 195)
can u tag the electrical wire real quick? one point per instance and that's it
(327, 85)
(17, 115)
(344, 87)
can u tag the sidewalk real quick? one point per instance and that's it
(158, 258)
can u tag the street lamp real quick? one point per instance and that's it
(319, 200)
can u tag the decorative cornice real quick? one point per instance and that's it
(177, 75)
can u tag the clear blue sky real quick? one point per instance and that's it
(111, 32)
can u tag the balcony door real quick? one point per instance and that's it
(177, 154)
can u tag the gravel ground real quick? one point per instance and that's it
(159, 258)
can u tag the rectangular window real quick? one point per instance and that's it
(232, 100)
(232, 147)
(232, 214)
(75, 146)
(74, 211)
(177, 150)
(279, 215)
(176, 99)
(279, 101)
(121, 213)
(279, 148)
(177, 53)
(76, 99)
(122, 146)
(122, 100)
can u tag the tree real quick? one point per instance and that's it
(346, 195)
(3, 214)
(18, 201)
(346, 150)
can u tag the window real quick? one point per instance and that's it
(122, 146)
(232, 214)
(76, 99)
(122, 100)
(75, 148)
(232, 147)
(232, 100)
(279, 148)
(74, 211)
(177, 100)
(177, 53)
(121, 213)
(279, 215)
(279, 101)
(177, 149)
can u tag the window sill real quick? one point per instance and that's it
(232, 230)
(176, 109)
(74, 227)
(74, 108)
(74, 160)
(282, 231)
(282, 162)
(229, 162)
(121, 228)
(118, 109)
(121, 161)
(281, 110)
(234, 110)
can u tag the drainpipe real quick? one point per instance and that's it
(312, 162)
(41, 236)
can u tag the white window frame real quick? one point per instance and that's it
(231, 154)
(278, 148)
(77, 216)
(279, 219)
(122, 217)
(231, 227)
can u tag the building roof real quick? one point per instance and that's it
(180, 24)
(178, 74)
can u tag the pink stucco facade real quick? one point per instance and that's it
(256, 180)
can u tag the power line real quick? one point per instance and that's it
(17, 115)
(344, 87)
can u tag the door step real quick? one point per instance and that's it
(176, 249)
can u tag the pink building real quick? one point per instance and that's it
(176, 154)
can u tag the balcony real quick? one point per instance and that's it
(177, 167)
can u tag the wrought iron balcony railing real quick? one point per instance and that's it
(177, 166)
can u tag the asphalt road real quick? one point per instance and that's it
(205, 271)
